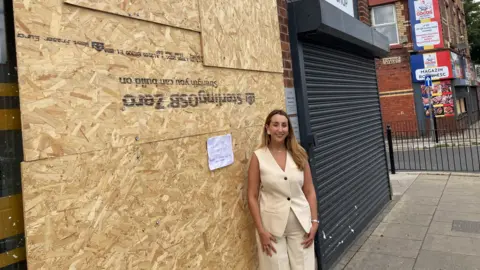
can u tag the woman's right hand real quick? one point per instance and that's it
(267, 240)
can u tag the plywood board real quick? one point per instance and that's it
(91, 80)
(178, 13)
(151, 206)
(241, 34)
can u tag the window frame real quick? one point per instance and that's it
(395, 22)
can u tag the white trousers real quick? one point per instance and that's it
(291, 255)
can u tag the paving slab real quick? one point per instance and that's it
(373, 261)
(452, 244)
(459, 207)
(392, 246)
(433, 176)
(435, 260)
(408, 218)
(462, 192)
(437, 193)
(355, 247)
(419, 200)
(347, 257)
(445, 228)
(456, 198)
(406, 207)
(337, 267)
(450, 216)
(403, 231)
(465, 176)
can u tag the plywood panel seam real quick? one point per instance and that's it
(115, 10)
(146, 142)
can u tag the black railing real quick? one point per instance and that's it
(434, 149)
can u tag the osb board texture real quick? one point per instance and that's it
(149, 206)
(241, 34)
(71, 93)
(178, 13)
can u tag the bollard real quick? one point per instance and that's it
(390, 149)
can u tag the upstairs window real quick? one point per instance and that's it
(384, 20)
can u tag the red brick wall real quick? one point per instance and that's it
(398, 105)
(364, 12)
(284, 36)
(395, 76)
(399, 111)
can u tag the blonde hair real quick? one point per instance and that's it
(299, 154)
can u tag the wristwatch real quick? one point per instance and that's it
(314, 220)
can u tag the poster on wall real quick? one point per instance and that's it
(456, 66)
(426, 24)
(437, 64)
(469, 72)
(442, 99)
(477, 74)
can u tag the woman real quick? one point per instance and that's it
(282, 199)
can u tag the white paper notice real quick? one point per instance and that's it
(296, 129)
(290, 101)
(220, 151)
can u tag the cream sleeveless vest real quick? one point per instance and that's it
(279, 192)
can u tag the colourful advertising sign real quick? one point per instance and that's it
(426, 24)
(437, 64)
(477, 74)
(469, 72)
(442, 99)
(457, 67)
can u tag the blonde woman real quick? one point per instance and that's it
(282, 199)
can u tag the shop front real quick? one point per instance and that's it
(452, 95)
(340, 120)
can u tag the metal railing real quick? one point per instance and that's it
(434, 149)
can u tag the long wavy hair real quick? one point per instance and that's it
(299, 154)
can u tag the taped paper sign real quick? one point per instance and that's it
(220, 152)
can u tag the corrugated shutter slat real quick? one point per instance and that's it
(349, 167)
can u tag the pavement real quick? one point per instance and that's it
(433, 222)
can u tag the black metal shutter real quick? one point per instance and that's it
(349, 161)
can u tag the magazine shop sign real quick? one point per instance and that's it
(437, 64)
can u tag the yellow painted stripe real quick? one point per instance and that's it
(396, 91)
(396, 95)
(425, 20)
(10, 119)
(8, 90)
(11, 216)
(12, 256)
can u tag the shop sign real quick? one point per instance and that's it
(442, 99)
(424, 10)
(427, 34)
(435, 64)
(426, 24)
(392, 60)
(344, 5)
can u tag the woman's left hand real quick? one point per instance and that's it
(310, 236)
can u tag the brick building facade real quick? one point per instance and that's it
(394, 71)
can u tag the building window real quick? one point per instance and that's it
(384, 20)
(461, 106)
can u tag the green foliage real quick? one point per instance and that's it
(472, 18)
